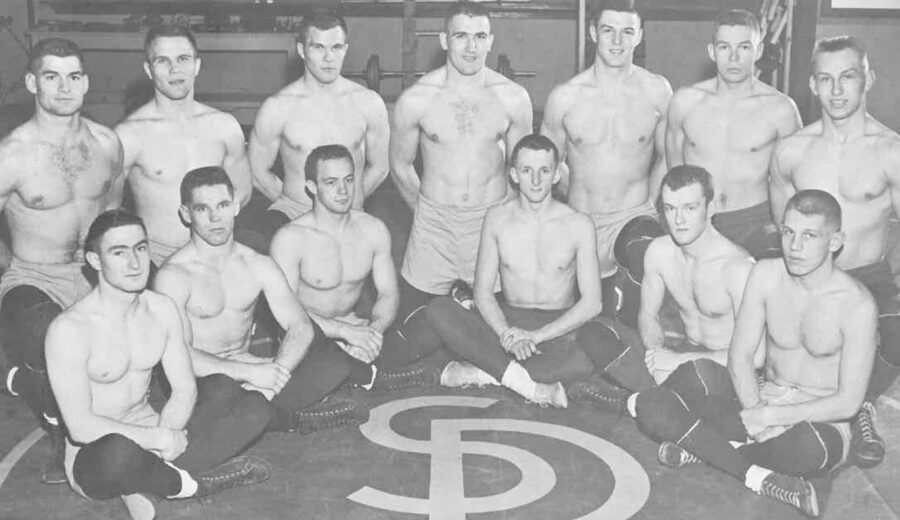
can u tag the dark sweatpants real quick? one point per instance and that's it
(696, 407)
(27, 312)
(562, 359)
(622, 291)
(226, 419)
(751, 228)
(880, 282)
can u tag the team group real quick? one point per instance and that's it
(717, 272)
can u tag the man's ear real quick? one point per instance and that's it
(184, 213)
(557, 174)
(93, 259)
(31, 82)
(711, 51)
(301, 51)
(442, 37)
(837, 241)
(513, 174)
(312, 188)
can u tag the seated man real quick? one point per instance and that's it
(819, 324)
(703, 271)
(100, 353)
(327, 255)
(545, 255)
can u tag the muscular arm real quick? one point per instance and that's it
(781, 184)
(653, 291)
(378, 131)
(675, 130)
(68, 351)
(117, 182)
(285, 250)
(858, 328)
(487, 269)
(263, 148)
(660, 166)
(554, 128)
(288, 313)
(404, 144)
(176, 362)
(385, 277)
(520, 118)
(587, 267)
(236, 163)
(749, 329)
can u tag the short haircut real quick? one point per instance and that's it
(59, 47)
(817, 202)
(321, 19)
(840, 43)
(105, 221)
(470, 9)
(687, 174)
(739, 18)
(205, 176)
(167, 31)
(535, 142)
(327, 152)
(620, 6)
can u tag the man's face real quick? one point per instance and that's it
(467, 42)
(335, 186)
(173, 66)
(807, 242)
(616, 35)
(535, 172)
(59, 85)
(123, 259)
(686, 211)
(211, 213)
(840, 81)
(323, 53)
(735, 49)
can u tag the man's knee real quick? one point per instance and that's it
(27, 313)
(889, 332)
(440, 312)
(103, 465)
(600, 342)
(255, 408)
(662, 414)
(698, 379)
(632, 242)
(217, 388)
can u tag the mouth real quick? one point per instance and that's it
(838, 103)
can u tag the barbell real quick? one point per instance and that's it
(373, 72)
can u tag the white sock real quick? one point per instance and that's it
(370, 384)
(517, 379)
(631, 404)
(755, 476)
(188, 484)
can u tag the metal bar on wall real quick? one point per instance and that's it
(410, 43)
(582, 7)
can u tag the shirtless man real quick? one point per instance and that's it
(215, 283)
(100, 353)
(58, 171)
(609, 123)
(819, 327)
(544, 253)
(729, 125)
(328, 253)
(172, 134)
(466, 119)
(321, 107)
(856, 159)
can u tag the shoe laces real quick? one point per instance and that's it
(778, 492)
(865, 420)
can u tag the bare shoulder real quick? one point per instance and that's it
(790, 150)
(686, 97)
(367, 223)
(104, 135)
(656, 85)
(495, 215)
(857, 301)
(564, 95)
(216, 116)
(575, 220)
(174, 271)
(15, 144)
(508, 91)
(768, 274)
(366, 99)
(888, 140)
(660, 249)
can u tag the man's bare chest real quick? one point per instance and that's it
(58, 174)
(452, 119)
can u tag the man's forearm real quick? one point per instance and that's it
(90, 429)
(652, 334)
(269, 184)
(491, 313)
(824, 409)
(206, 364)
(743, 378)
(178, 409)
(333, 328)
(383, 313)
(373, 176)
(408, 183)
(575, 317)
(294, 346)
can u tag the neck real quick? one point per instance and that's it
(174, 107)
(462, 81)
(817, 279)
(57, 125)
(535, 209)
(329, 220)
(115, 300)
(741, 88)
(213, 254)
(602, 72)
(311, 84)
(702, 244)
(847, 129)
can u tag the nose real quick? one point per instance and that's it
(342, 188)
(134, 261)
(470, 44)
(65, 85)
(733, 55)
(215, 216)
(617, 37)
(796, 242)
(837, 88)
(536, 179)
(679, 216)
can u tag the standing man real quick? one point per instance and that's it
(327, 255)
(609, 124)
(819, 327)
(321, 107)
(172, 134)
(100, 354)
(856, 159)
(466, 119)
(729, 125)
(58, 171)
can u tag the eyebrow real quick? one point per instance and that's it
(119, 247)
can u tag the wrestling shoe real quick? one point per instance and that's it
(672, 455)
(463, 374)
(550, 395)
(416, 374)
(239, 471)
(598, 393)
(54, 471)
(462, 294)
(330, 413)
(866, 446)
(793, 491)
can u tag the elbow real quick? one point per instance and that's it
(80, 431)
(594, 306)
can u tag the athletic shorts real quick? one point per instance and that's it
(443, 245)
(751, 228)
(290, 207)
(608, 227)
(880, 281)
(63, 283)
